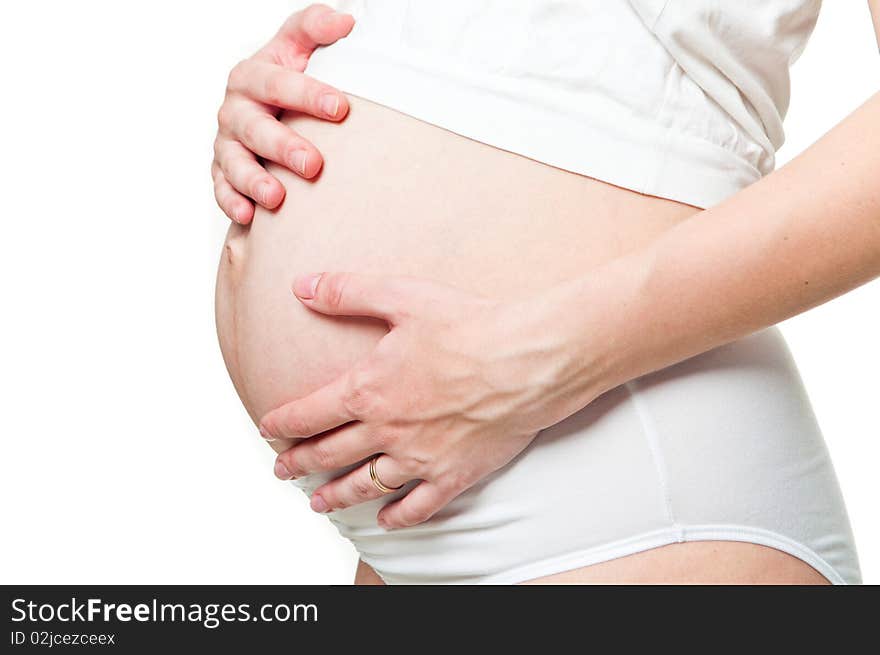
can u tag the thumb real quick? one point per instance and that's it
(353, 294)
(315, 25)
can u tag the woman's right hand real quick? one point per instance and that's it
(259, 89)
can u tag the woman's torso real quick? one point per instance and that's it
(401, 196)
(734, 452)
(398, 196)
(578, 83)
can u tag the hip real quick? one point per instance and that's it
(721, 447)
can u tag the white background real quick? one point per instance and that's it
(127, 457)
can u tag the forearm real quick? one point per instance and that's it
(801, 236)
(875, 14)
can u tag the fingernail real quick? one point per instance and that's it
(383, 523)
(330, 104)
(298, 160)
(281, 471)
(318, 504)
(306, 286)
(266, 435)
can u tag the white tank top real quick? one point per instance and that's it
(682, 99)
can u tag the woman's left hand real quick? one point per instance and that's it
(457, 388)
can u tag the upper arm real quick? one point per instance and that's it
(875, 14)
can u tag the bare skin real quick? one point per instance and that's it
(701, 562)
(822, 199)
(453, 210)
(875, 15)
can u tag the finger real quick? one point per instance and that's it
(322, 410)
(334, 450)
(266, 136)
(278, 86)
(417, 506)
(315, 25)
(242, 170)
(234, 205)
(354, 294)
(357, 486)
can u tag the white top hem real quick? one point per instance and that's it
(596, 139)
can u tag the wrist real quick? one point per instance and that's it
(597, 326)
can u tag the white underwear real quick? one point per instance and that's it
(723, 446)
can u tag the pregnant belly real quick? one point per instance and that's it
(398, 196)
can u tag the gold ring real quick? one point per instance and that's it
(375, 478)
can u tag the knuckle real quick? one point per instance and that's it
(269, 425)
(334, 290)
(414, 465)
(227, 170)
(230, 167)
(295, 424)
(224, 118)
(336, 498)
(222, 197)
(216, 174)
(410, 515)
(455, 481)
(286, 458)
(236, 75)
(328, 493)
(256, 184)
(225, 206)
(290, 146)
(314, 10)
(291, 460)
(357, 403)
(273, 88)
(362, 488)
(384, 439)
(296, 469)
(324, 456)
(251, 130)
(285, 149)
(358, 398)
(312, 92)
